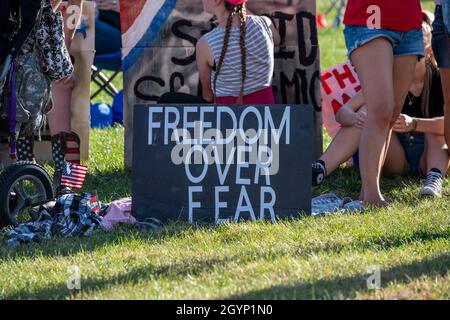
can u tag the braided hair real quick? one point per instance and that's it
(241, 11)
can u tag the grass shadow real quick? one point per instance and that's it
(329, 288)
(66, 247)
(348, 287)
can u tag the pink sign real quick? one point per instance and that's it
(339, 84)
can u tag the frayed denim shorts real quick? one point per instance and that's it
(441, 37)
(414, 145)
(403, 43)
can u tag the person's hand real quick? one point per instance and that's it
(404, 124)
(360, 119)
(108, 5)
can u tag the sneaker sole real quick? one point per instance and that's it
(429, 193)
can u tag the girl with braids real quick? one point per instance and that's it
(417, 146)
(236, 59)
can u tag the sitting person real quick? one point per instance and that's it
(107, 27)
(417, 144)
(236, 59)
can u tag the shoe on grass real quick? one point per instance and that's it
(432, 185)
(319, 173)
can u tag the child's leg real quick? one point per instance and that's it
(59, 117)
(342, 148)
(403, 76)
(437, 156)
(404, 68)
(65, 144)
(377, 83)
(435, 163)
(396, 163)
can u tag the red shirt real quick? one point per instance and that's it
(398, 15)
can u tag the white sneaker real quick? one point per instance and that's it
(432, 185)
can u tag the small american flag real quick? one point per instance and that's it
(73, 175)
(94, 203)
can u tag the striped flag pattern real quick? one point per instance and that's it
(94, 204)
(141, 22)
(73, 175)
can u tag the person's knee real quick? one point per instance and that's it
(383, 116)
(435, 142)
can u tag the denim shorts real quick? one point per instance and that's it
(414, 145)
(441, 38)
(403, 43)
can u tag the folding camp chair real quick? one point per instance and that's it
(110, 62)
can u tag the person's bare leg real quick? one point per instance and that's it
(396, 162)
(377, 83)
(395, 165)
(403, 77)
(342, 148)
(403, 74)
(434, 164)
(445, 79)
(436, 153)
(59, 117)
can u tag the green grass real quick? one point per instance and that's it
(312, 258)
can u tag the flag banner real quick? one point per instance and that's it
(73, 175)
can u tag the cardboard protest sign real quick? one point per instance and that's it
(159, 38)
(339, 84)
(222, 163)
(83, 51)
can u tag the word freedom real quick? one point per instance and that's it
(242, 147)
(217, 116)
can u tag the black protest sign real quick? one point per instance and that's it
(222, 163)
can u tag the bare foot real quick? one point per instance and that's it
(388, 199)
(378, 203)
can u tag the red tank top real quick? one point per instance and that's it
(398, 15)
